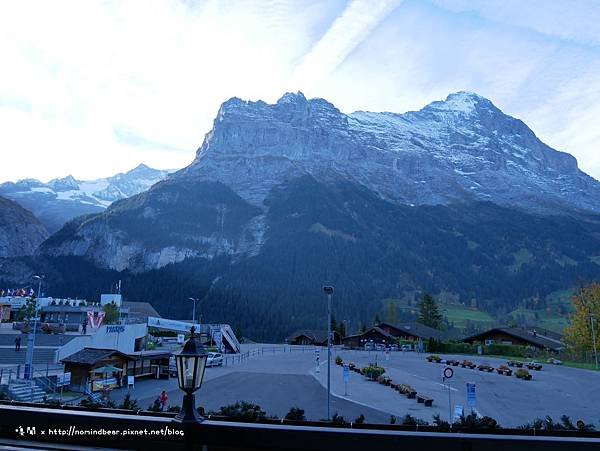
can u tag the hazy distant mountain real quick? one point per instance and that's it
(60, 200)
(457, 197)
(20, 232)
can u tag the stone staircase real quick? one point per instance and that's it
(8, 356)
(23, 390)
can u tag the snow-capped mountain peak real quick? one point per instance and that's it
(61, 199)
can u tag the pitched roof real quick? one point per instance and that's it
(417, 329)
(376, 329)
(141, 309)
(318, 336)
(91, 356)
(535, 339)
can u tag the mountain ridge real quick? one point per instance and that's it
(62, 199)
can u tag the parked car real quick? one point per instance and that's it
(214, 359)
(554, 361)
(393, 347)
(380, 347)
(369, 346)
(406, 348)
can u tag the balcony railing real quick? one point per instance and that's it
(36, 425)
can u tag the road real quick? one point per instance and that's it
(280, 380)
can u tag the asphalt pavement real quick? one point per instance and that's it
(278, 380)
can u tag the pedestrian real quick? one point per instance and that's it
(163, 401)
(84, 326)
(17, 344)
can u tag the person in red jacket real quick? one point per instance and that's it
(164, 398)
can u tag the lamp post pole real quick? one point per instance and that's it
(594, 338)
(328, 290)
(31, 338)
(194, 300)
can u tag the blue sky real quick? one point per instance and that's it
(94, 88)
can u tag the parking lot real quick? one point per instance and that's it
(278, 380)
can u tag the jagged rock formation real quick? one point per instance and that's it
(20, 231)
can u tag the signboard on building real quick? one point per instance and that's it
(115, 329)
(63, 379)
(170, 324)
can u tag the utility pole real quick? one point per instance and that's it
(592, 320)
(328, 290)
(31, 338)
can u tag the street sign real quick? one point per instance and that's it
(458, 412)
(63, 379)
(447, 373)
(471, 394)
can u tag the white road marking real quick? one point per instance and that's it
(446, 386)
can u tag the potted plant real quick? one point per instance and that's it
(373, 372)
(434, 358)
(522, 373)
(338, 360)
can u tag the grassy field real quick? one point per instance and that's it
(459, 315)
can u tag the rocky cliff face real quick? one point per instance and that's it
(20, 232)
(462, 149)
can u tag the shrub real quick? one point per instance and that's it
(52, 402)
(503, 368)
(90, 403)
(442, 425)
(175, 409)
(409, 420)
(373, 372)
(296, 414)
(360, 419)
(435, 357)
(338, 360)
(128, 404)
(338, 419)
(243, 411)
(473, 422)
(565, 424)
(155, 406)
(522, 373)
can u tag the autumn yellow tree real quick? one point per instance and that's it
(586, 305)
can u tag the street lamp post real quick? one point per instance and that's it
(191, 363)
(194, 300)
(328, 290)
(592, 320)
(31, 335)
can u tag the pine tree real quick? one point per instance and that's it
(430, 314)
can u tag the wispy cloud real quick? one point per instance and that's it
(348, 31)
(93, 88)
